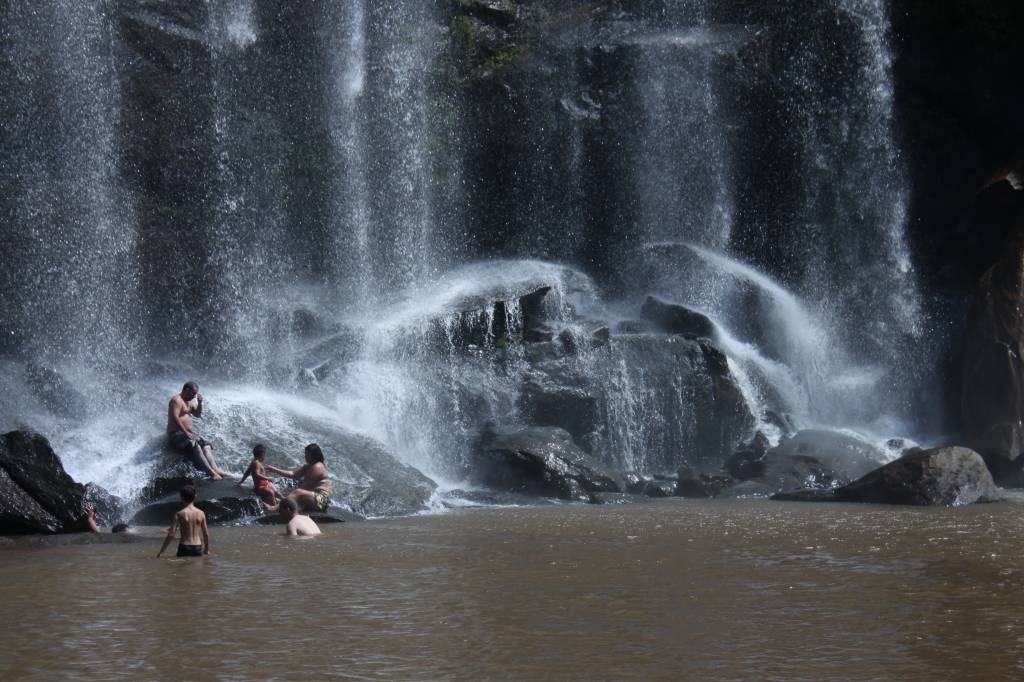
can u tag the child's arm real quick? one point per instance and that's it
(169, 536)
(246, 475)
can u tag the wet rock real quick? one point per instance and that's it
(689, 400)
(540, 461)
(36, 494)
(223, 502)
(458, 499)
(949, 476)
(672, 318)
(600, 337)
(748, 460)
(535, 327)
(371, 481)
(558, 396)
(818, 459)
(992, 402)
(652, 487)
(109, 508)
(19, 513)
(700, 485)
(635, 327)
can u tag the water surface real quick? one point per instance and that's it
(672, 590)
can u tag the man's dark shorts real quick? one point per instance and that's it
(190, 550)
(179, 441)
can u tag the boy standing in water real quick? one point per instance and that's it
(261, 484)
(195, 536)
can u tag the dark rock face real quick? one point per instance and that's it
(691, 404)
(817, 459)
(949, 476)
(221, 501)
(540, 461)
(673, 318)
(992, 403)
(693, 484)
(36, 494)
(371, 481)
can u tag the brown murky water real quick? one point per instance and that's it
(678, 590)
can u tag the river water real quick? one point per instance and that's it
(672, 590)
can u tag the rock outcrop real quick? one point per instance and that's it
(36, 493)
(673, 318)
(540, 461)
(992, 403)
(817, 459)
(949, 476)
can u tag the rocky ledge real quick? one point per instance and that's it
(37, 495)
(949, 476)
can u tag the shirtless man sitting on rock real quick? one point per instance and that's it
(181, 435)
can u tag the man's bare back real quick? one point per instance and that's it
(302, 526)
(191, 522)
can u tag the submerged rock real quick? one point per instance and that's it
(949, 476)
(540, 461)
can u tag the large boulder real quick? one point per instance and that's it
(372, 482)
(673, 318)
(540, 461)
(36, 494)
(642, 402)
(949, 476)
(368, 481)
(992, 399)
(817, 459)
(222, 501)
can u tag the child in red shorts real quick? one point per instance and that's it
(261, 484)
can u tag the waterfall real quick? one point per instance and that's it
(315, 201)
(70, 277)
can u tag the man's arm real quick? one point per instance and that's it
(174, 417)
(197, 411)
(290, 529)
(246, 475)
(169, 536)
(206, 536)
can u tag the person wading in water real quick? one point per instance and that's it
(314, 491)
